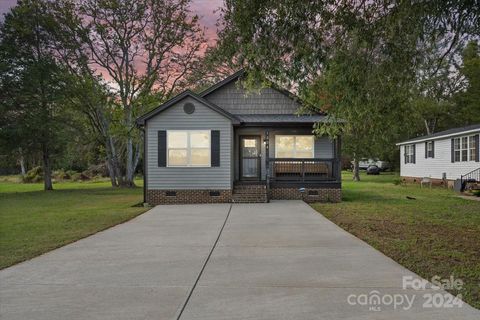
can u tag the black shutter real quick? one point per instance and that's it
(215, 148)
(433, 149)
(426, 149)
(477, 145)
(162, 148)
(405, 154)
(452, 153)
(414, 153)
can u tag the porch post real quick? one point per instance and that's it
(267, 161)
(338, 158)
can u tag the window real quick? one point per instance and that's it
(188, 148)
(464, 149)
(430, 149)
(410, 153)
(472, 148)
(294, 146)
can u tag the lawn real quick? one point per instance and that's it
(436, 233)
(33, 221)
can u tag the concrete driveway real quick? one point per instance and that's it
(280, 260)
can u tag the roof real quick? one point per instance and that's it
(444, 134)
(239, 74)
(225, 81)
(187, 93)
(281, 118)
(237, 119)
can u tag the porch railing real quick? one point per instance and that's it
(305, 170)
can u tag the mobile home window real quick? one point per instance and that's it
(430, 149)
(188, 148)
(464, 149)
(294, 146)
(472, 149)
(409, 153)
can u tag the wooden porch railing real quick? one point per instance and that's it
(305, 169)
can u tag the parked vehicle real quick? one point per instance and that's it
(365, 163)
(373, 169)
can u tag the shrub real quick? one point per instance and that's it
(34, 175)
(397, 181)
(100, 170)
(61, 175)
(77, 176)
(476, 193)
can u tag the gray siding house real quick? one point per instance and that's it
(229, 145)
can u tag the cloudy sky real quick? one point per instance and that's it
(206, 9)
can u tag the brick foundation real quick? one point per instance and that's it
(435, 182)
(310, 194)
(155, 197)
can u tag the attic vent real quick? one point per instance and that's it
(189, 108)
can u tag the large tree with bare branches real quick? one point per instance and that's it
(145, 50)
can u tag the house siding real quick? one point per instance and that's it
(237, 100)
(188, 178)
(435, 167)
(323, 147)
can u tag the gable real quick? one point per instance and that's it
(237, 100)
(195, 100)
(175, 115)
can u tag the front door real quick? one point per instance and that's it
(250, 158)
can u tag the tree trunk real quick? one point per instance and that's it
(130, 170)
(115, 162)
(47, 173)
(111, 164)
(22, 163)
(356, 169)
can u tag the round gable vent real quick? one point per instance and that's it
(189, 108)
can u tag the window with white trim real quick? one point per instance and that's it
(430, 149)
(188, 148)
(464, 149)
(472, 148)
(409, 153)
(301, 146)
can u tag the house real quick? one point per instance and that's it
(443, 156)
(229, 145)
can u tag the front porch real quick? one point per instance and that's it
(259, 159)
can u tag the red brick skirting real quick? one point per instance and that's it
(310, 194)
(155, 197)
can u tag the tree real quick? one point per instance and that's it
(467, 101)
(145, 50)
(32, 83)
(357, 60)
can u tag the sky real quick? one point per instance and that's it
(207, 10)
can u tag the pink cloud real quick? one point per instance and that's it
(207, 10)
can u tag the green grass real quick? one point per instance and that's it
(438, 233)
(33, 221)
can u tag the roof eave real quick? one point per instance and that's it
(423, 139)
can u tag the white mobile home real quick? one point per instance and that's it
(445, 155)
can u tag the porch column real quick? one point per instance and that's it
(337, 170)
(267, 160)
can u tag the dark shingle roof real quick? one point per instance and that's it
(448, 132)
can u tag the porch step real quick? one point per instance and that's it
(249, 194)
